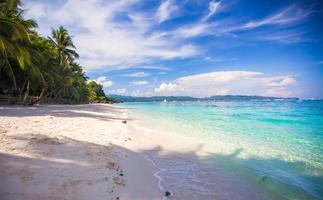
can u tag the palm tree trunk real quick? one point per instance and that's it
(40, 97)
(26, 93)
(22, 89)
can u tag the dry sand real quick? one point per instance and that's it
(71, 152)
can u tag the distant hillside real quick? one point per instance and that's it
(120, 98)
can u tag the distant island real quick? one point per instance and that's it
(121, 98)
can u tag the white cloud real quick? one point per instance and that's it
(208, 58)
(119, 91)
(35, 10)
(277, 92)
(116, 34)
(283, 82)
(139, 82)
(289, 15)
(152, 67)
(226, 82)
(216, 59)
(167, 87)
(216, 78)
(192, 30)
(104, 81)
(166, 8)
(213, 7)
(287, 37)
(137, 74)
(106, 42)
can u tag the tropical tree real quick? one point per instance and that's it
(14, 38)
(64, 45)
(33, 68)
(96, 93)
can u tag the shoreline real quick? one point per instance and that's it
(166, 147)
(137, 162)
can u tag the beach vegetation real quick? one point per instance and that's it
(36, 69)
(96, 93)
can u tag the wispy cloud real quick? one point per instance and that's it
(213, 7)
(120, 91)
(119, 34)
(139, 82)
(192, 30)
(152, 67)
(282, 36)
(104, 41)
(137, 74)
(282, 25)
(289, 15)
(286, 18)
(166, 8)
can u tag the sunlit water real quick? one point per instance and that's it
(276, 146)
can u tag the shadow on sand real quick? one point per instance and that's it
(26, 168)
(92, 111)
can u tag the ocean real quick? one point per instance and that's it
(276, 146)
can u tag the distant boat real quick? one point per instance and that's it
(165, 100)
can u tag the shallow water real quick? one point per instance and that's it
(277, 146)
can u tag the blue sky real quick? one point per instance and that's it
(193, 47)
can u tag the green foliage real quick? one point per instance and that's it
(96, 92)
(34, 68)
(111, 100)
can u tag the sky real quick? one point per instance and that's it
(193, 47)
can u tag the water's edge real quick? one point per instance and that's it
(258, 171)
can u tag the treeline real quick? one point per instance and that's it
(36, 69)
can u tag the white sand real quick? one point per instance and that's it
(70, 152)
(86, 152)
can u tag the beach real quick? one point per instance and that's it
(102, 151)
(81, 152)
(70, 152)
(161, 100)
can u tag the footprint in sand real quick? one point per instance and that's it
(119, 181)
(26, 178)
(113, 166)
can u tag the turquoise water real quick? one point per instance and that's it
(275, 145)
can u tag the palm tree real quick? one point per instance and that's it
(16, 52)
(64, 46)
(66, 55)
(14, 38)
(38, 66)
